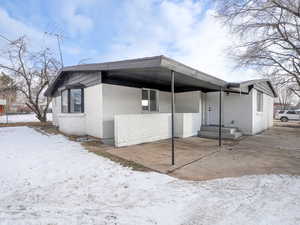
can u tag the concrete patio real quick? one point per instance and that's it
(277, 151)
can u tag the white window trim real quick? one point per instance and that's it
(157, 100)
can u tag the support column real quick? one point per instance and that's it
(172, 115)
(220, 117)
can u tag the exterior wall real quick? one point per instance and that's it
(87, 123)
(188, 102)
(187, 124)
(56, 110)
(237, 112)
(103, 101)
(203, 109)
(118, 100)
(68, 123)
(140, 128)
(240, 111)
(93, 110)
(72, 123)
(262, 120)
(164, 99)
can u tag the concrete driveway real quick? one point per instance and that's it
(277, 150)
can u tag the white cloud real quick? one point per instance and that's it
(181, 30)
(75, 15)
(13, 29)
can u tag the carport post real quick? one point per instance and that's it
(172, 115)
(220, 117)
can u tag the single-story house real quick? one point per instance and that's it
(2, 106)
(130, 101)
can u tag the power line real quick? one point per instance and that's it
(58, 37)
(5, 38)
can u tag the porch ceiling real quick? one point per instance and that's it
(156, 78)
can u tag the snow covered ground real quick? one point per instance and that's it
(22, 118)
(51, 180)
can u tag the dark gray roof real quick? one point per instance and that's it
(259, 84)
(153, 71)
(149, 72)
(263, 85)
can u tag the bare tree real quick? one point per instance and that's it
(32, 73)
(285, 98)
(269, 37)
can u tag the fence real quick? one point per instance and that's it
(20, 117)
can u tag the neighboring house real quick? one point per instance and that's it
(281, 106)
(8, 92)
(2, 106)
(130, 101)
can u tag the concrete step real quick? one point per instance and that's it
(215, 135)
(229, 130)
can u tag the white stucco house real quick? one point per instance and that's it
(130, 101)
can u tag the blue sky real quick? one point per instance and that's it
(105, 30)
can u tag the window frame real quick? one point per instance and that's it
(149, 104)
(291, 112)
(69, 100)
(61, 101)
(259, 102)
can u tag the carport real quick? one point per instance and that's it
(160, 73)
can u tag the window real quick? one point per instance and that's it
(291, 112)
(149, 100)
(75, 100)
(281, 112)
(64, 101)
(145, 100)
(72, 101)
(259, 101)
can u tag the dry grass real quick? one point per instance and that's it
(93, 145)
(101, 150)
(29, 124)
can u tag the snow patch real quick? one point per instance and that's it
(51, 180)
(22, 118)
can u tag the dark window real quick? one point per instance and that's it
(290, 112)
(149, 100)
(281, 112)
(72, 101)
(145, 100)
(153, 101)
(64, 101)
(76, 100)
